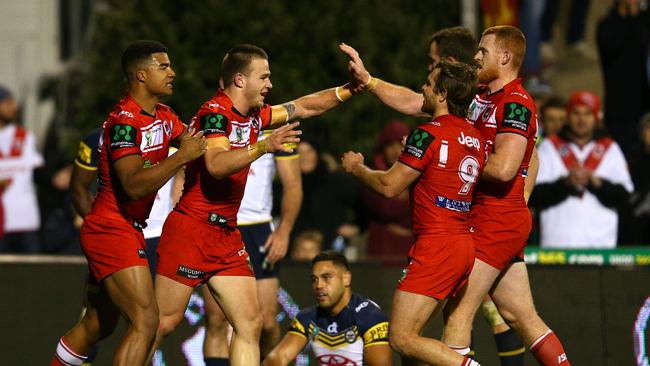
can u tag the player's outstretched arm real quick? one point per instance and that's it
(387, 183)
(289, 172)
(399, 98)
(221, 161)
(310, 105)
(138, 181)
(531, 178)
(503, 164)
(286, 351)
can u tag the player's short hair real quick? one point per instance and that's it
(457, 43)
(553, 102)
(238, 60)
(510, 39)
(137, 53)
(335, 257)
(460, 82)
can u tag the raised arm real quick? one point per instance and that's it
(138, 181)
(387, 183)
(399, 98)
(310, 105)
(222, 162)
(289, 172)
(286, 351)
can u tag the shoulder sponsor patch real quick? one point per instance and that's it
(214, 123)
(418, 142)
(84, 154)
(378, 332)
(516, 116)
(122, 136)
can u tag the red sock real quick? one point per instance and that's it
(548, 350)
(65, 356)
(469, 362)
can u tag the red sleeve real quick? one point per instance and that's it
(265, 116)
(122, 137)
(177, 127)
(213, 123)
(518, 115)
(419, 149)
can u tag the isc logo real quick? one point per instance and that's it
(469, 141)
(561, 358)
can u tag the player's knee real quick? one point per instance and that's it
(146, 321)
(250, 327)
(216, 326)
(399, 341)
(167, 324)
(269, 322)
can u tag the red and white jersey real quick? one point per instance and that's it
(580, 221)
(204, 196)
(18, 159)
(450, 153)
(509, 110)
(129, 130)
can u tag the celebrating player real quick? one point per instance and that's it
(264, 246)
(441, 161)
(133, 165)
(212, 251)
(343, 328)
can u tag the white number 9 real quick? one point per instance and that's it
(468, 173)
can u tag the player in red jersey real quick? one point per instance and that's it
(212, 252)
(133, 165)
(506, 116)
(441, 162)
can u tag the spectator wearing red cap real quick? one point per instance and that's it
(583, 182)
(389, 219)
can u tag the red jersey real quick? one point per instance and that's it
(509, 110)
(130, 130)
(450, 153)
(207, 198)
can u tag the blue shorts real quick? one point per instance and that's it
(254, 237)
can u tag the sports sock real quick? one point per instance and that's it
(469, 362)
(510, 348)
(216, 361)
(463, 351)
(65, 356)
(548, 350)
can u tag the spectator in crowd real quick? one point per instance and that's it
(583, 181)
(624, 42)
(639, 158)
(18, 159)
(306, 246)
(575, 37)
(330, 198)
(553, 116)
(389, 219)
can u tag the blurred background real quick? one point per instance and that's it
(60, 75)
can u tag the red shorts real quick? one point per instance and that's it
(438, 265)
(500, 234)
(191, 251)
(111, 245)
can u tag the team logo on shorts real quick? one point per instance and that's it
(142, 253)
(191, 273)
(405, 271)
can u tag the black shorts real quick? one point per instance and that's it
(254, 237)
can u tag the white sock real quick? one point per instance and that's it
(463, 351)
(66, 355)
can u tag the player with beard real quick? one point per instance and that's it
(212, 252)
(344, 328)
(441, 163)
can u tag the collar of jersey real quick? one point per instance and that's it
(132, 104)
(506, 88)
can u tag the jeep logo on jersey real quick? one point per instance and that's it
(516, 116)
(418, 142)
(469, 141)
(214, 123)
(122, 136)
